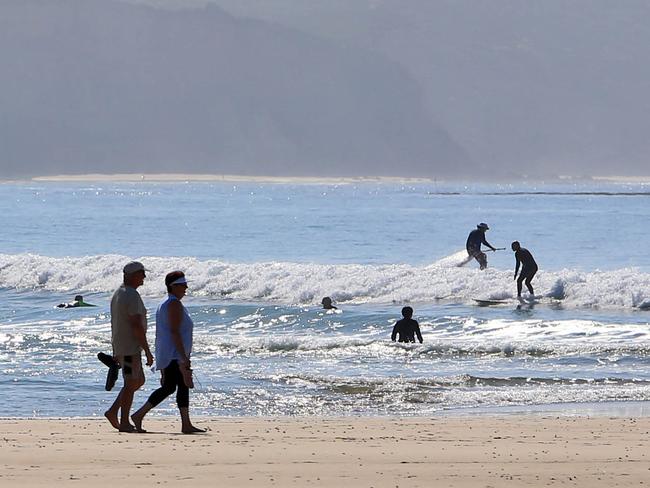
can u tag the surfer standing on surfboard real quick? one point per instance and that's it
(474, 241)
(528, 267)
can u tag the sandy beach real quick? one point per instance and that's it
(500, 450)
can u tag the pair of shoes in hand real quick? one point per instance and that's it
(113, 370)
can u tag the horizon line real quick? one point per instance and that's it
(214, 177)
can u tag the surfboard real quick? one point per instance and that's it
(530, 302)
(488, 303)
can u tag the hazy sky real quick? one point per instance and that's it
(337, 87)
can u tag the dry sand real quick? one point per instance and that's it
(485, 451)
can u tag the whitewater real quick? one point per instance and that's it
(260, 257)
(306, 283)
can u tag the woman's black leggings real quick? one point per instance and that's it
(171, 380)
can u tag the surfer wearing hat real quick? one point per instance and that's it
(474, 241)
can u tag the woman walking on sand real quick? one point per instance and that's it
(174, 330)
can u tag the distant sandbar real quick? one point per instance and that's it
(310, 180)
(177, 177)
(623, 179)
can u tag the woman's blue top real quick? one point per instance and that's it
(166, 350)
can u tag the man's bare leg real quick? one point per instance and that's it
(126, 400)
(111, 413)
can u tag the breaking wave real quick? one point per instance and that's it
(304, 283)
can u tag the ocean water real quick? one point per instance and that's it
(260, 257)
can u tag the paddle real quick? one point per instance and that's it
(469, 258)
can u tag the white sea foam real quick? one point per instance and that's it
(287, 282)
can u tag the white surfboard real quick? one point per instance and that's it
(481, 302)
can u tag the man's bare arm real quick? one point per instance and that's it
(140, 335)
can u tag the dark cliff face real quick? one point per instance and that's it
(104, 86)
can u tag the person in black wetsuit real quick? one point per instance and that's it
(528, 267)
(327, 304)
(474, 241)
(407, 328)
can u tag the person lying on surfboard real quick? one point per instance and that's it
(78, 302)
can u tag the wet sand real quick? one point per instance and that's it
(462, 451)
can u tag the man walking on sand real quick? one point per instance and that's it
(129, 337)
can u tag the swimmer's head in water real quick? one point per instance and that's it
(515, 246)
(326, 302)
(79, 298)
(407, 312)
